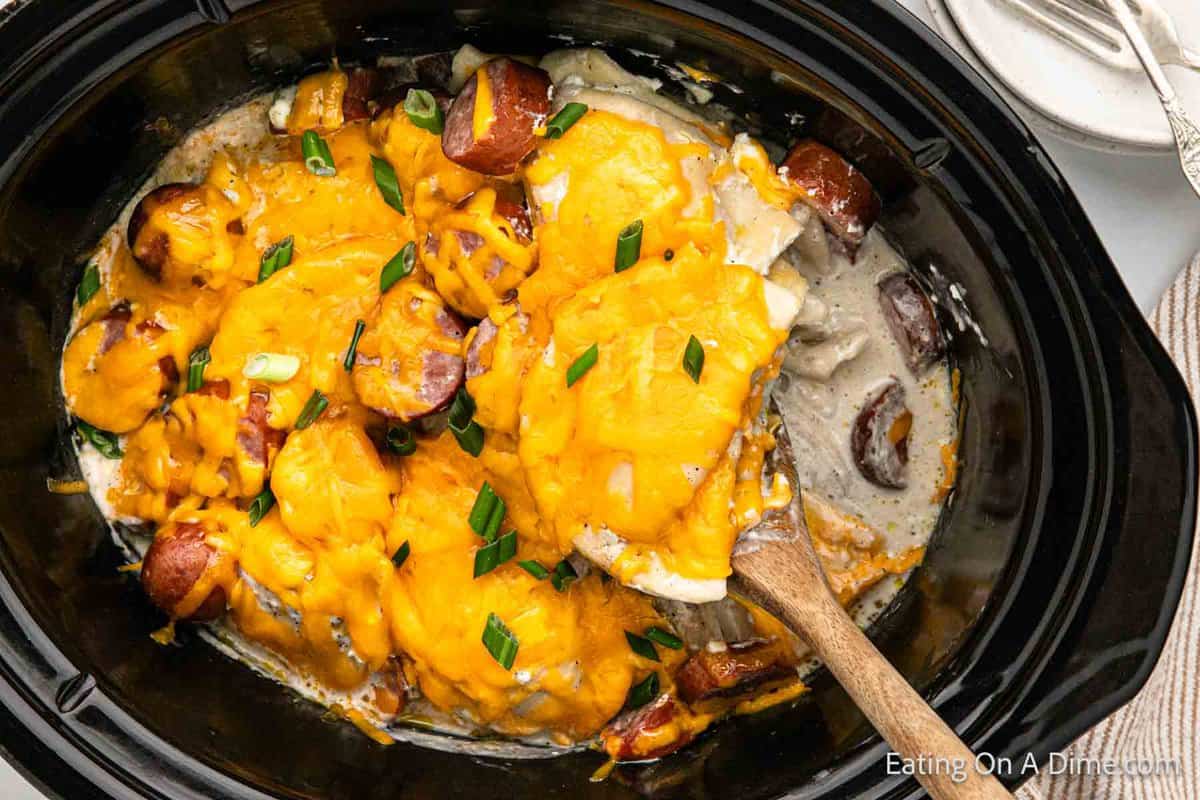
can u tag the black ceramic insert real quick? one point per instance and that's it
(1054, 574)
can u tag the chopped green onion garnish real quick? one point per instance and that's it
(359, 327)
(481, 511)
(313, 408)
(400, 440)
(466, 430)
(385, 179)
(401, 554)
(461, 410)
(534, 568)
(107, 444)
(275, 258)
(197, 361)
(423, 111)
(261, 505)
(500, 641)
(563, 120)
(89, 284)
(693, 358)
(271, 367)
(642, 646)
(642, 693)
(317, 156)
(399, 266)
(629, 246)
(492, 555)
(494, 519)
(582, 365)
(665, 638)
(564, 575)
(470, 439)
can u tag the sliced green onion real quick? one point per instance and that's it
(461, 410)
(423, 111)
(481, 510)
(466, 430)
(271, 367)
(564, 575)
(494, 520)
(534, 568)
(665, 638)
(359, 327)
(399, 266)
(693, 358)
(401, 554)
(642, 693)
(642, 646)
(275, 258)
(563, 120)
(262, 503)
(197, 361)
(629, 246)
(313, 408)
(400, 440)
(500, 641)
(470, 439)
(582, 364)
(107, 444)
(385, 179)
(492, 555)
(89, 284)
(317, 156)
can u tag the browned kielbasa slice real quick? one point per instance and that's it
(408, 363)
(879, 439)
(732, 671)
(912, 320)
(177, 559)
(836, 190)
(362, 84)
(622, 734)
(519, 102)
(256, 438)
(172, 229)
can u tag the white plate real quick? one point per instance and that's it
(1067, 87)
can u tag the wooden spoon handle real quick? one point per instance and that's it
(943, 764)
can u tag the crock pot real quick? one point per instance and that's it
(1052, 579)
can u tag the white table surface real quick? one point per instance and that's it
(1142, 207)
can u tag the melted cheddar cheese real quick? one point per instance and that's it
(670, 466)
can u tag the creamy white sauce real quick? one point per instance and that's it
(820, 414)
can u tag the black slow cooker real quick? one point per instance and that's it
(1052, 579)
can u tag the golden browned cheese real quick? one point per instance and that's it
(636, 445)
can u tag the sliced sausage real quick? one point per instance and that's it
(733, 671)
(172, 230)
(151, 244)
(622, 736)
(510, 205)
(177, 559)
(408, 363)
(518, 98)
(215, 388)
(837, 191)
(879, 439)
(256, 438)
(911, 318)
(362, 84)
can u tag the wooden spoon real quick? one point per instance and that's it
(786, 579)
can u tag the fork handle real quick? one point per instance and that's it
(1187, 137)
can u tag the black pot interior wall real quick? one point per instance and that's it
(943, 633)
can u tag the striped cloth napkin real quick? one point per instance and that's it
(1161, 721)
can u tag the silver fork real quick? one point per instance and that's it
(1089, 26)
